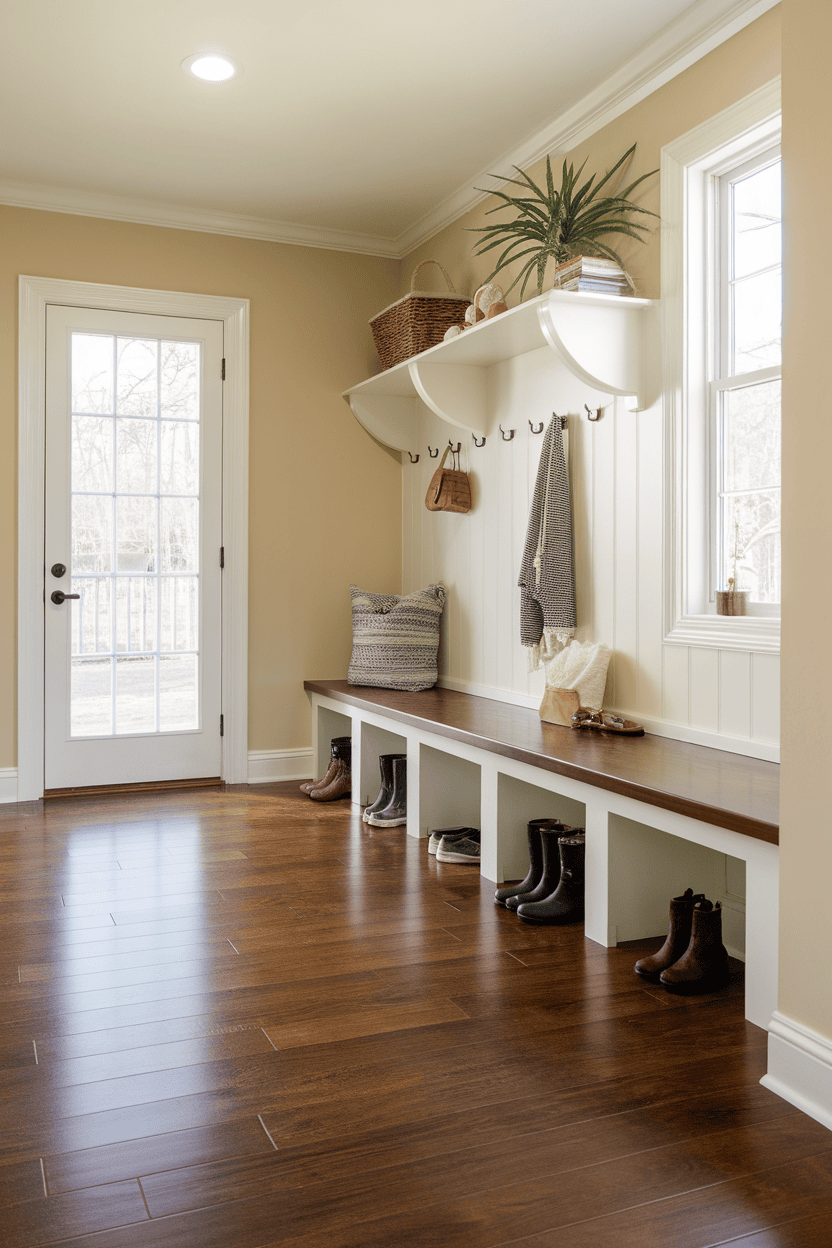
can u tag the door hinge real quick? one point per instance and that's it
(222, 556)
(223, 370)
(222, 725)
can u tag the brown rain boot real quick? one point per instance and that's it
(704, 965)
(339, 786)
(335, 746)
(678, 936)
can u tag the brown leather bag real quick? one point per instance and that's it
(449, 489)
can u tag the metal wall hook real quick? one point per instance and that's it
(456, 449)
(507, 436)
(433, 453)
(476, 443)
(596, 415)
(539, 428)
(414, 459)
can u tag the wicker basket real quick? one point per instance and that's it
(416, 322)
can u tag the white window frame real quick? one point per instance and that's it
(688, 168)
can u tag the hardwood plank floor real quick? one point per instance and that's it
(235, 1019)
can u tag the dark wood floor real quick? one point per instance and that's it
(238, 1019)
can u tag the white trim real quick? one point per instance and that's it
(8, 784)
(800, 1067)
(658, 727)
(696, 32)
(268, 766)
(744, 126)
(183, 217)
(35, 294)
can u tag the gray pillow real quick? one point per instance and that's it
(395, 639)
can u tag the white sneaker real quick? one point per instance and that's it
(453, 834)
(462, 849)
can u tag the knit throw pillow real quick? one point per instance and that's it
(395, 639)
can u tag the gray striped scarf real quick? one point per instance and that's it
(547, 580)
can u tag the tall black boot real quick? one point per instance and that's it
(340, 783)
(532, 880)
(550, 869)
(335, 745)
(385, 763)
(395, 812)
(566, 905)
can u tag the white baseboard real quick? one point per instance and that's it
(659, 727)
(266, 766)
(800, 1067)
(8, 784)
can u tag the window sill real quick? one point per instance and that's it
(727, 632)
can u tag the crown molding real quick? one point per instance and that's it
(693, 35)
(184, 217)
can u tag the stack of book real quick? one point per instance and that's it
(592, 273)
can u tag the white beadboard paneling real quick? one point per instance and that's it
(649, 433)
(765, 697)
(627, 554)
(676, 684)
(615, 464)
(704, 688)
(735, 693)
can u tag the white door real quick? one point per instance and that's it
(133, 538)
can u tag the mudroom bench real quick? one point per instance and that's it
(660, 815)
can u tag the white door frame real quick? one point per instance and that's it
(35, 294)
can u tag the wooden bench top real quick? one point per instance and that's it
(728, 790)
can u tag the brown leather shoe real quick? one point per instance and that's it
(703, 967)
(339, 786)
(678, 936)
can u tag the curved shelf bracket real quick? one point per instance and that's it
(455, 392)
(603, 345)
(390, 418)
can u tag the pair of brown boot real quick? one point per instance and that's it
(338, 780)
(693, 958)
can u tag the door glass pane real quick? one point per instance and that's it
(92, 373)
(92, 454)
(136, 456)
(137, 389)
(135, 695)
(178, 692)
(135, 535)
(91, 697)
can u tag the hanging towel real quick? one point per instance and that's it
(547, 582)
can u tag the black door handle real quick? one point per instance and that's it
(58, 596)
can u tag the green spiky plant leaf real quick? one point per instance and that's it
(559, 224)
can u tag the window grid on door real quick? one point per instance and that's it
(135, 535)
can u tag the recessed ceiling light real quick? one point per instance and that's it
(210, 67)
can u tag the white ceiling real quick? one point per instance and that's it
(363, 123)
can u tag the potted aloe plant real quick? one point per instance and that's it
(561, 224)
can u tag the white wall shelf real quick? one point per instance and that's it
(600, 338)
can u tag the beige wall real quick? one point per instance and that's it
(806, 812)
(324, 497)
(728, 73)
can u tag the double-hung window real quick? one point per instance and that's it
(721, 311)
(745, 383)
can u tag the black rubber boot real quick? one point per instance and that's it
(566, 905)
(336, 746)
(385, 763)
(395, 812)
(535, 862)
(550, 869)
